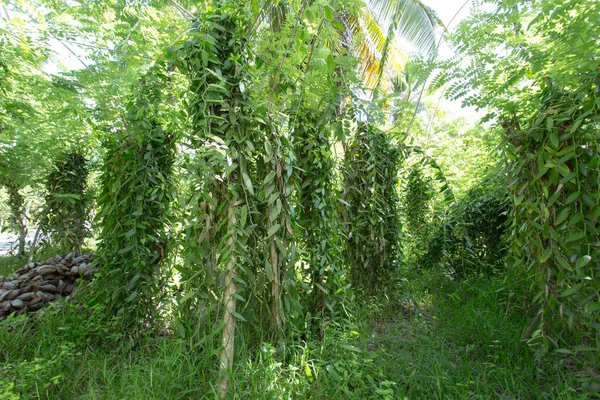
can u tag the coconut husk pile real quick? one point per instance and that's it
(37, 284)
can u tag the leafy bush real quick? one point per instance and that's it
(468, 237)
(66, 214)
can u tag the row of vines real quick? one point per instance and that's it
(253, 185)
(253, 233)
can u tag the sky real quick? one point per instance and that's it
(451, 13)
(448, 9)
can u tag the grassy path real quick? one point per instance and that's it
(451, 342)
(463, 344)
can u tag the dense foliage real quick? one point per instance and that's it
(134, 208)
(278, 190)
(67, 203)
(371, 176)
(467, 238)
(542, 90)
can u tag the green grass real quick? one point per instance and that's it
(44, 360)
(460, 343)
(8, 265)
(440, 340)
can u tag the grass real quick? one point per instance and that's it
(9, 264)
(461, 343)
(452, 341)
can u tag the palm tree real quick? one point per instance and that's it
(381, 35)
(389, 30)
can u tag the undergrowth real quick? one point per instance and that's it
(55, 356)
(461, 340)
(438, 339)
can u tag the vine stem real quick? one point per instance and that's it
(276, 284)
(228, 336)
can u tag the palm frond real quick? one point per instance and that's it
(417, 24)
(371, 38)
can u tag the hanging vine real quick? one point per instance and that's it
(418, 194)
(555, 170)
(135, 198)
(370, 179)
(317, 214)
(242, 207)
(274, 170)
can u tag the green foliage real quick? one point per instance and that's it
(317, 214)
(223, 142)
(556, 174)
(468, 237)
(67, 203)
(464, 152)
(8, 265)
(418, 193)
(134, 208)
(416, 209)
(370, 179)
(273, 229)
(542, 91)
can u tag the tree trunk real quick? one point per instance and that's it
(34, 243)
(228, 337)
(276, 283)
(18, 215)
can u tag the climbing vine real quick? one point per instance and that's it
(556, 195)
(467, 238)
(67, 204)
(241, 188)
(370, 179)
(134, 207)
(318, 208)
(418, 192)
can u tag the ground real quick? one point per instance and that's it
(434, 338)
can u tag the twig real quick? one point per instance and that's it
(532, 326)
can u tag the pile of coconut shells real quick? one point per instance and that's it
(37, 284)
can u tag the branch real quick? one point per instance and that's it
(423, 87)
(95, 46)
